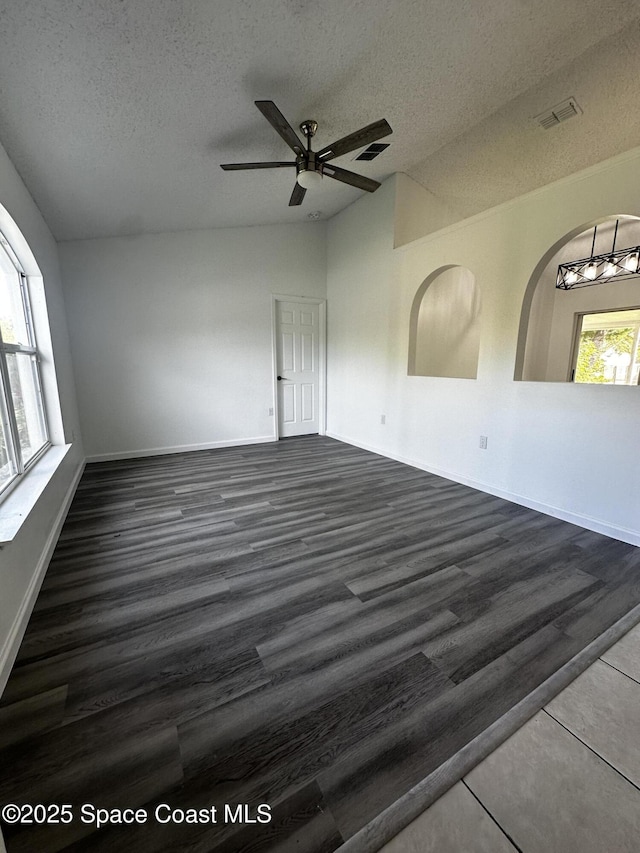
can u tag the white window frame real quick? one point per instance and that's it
(577, 333)
(7, 410)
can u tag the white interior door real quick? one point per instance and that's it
(297, 359)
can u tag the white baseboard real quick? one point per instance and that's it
(632, 537)
(178, 448)
(9, 651)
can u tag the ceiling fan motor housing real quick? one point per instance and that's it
(312, 166)
(308, 162)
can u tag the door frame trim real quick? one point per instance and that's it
(322, 357)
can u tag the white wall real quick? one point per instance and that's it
(360, 328)
(171, 333)
(23, 560)
(570, 450)
(418, 212)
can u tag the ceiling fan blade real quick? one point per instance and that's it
(347, 177)
(231, 166)
(297, 195)
(279, 123)
(364, 136)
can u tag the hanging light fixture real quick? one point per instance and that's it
(632, 261)
(599, 269)
(609, 267)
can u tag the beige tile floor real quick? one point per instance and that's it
(567, 782)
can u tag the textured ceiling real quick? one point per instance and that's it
(117, 113)
(508, 154)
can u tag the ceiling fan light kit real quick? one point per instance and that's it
(311, 166)
(308, 178)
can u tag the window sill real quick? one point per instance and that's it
(16, 507)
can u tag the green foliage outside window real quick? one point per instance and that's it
(594, 345)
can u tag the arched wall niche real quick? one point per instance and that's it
(549, 317)
(444, 330)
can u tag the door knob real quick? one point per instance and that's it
(281, 377)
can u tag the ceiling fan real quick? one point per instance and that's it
(311, 166)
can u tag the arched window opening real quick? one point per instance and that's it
(587, 334)
(444, 336)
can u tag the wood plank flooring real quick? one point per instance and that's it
(301, 624)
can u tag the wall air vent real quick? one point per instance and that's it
(561, 112)
(372, 151)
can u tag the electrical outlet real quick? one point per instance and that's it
(383, 419)
(271, 412)
(483, 442)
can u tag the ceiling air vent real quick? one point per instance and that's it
(372, 151)
(561, 112)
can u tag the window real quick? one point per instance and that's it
(23, 426)
(606, 350)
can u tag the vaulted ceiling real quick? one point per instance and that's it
(118, 113)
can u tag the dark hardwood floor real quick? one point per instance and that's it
(302, 624)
